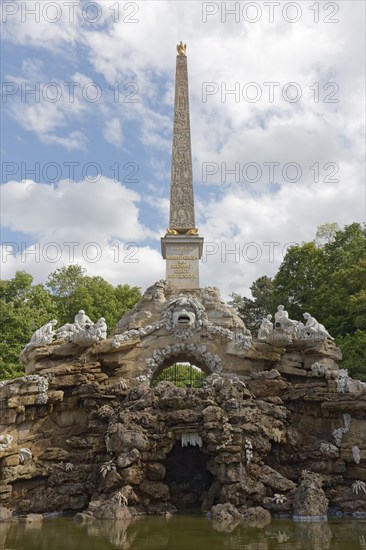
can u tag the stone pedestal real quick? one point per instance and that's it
(182, 254)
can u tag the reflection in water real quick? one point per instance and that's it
(316, 535)
(182, 532)
(115, 531)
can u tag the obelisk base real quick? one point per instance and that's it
(182, 254)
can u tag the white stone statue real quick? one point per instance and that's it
(66, 331)
(313, 329)
(284, 330)
(101, 328)
(43, 335)
(87, 334)
(282, 319)
(82, 319)
(83, 332)
(265, 332)
(182, 316)
(25, 455)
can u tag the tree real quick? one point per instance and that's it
(340, 300)
(329, 281)
(347, 248)
(299, 276)
(253, 310)
(25, 307)
(66, 286)
(353, 347)
(72, 290)
(326, 233)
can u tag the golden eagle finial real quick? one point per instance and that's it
(182, 48)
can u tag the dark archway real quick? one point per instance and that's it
(187, 476)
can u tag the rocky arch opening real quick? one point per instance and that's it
(187, 476)
(199, 355)
(181, 373)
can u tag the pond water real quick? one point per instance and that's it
(182, 532)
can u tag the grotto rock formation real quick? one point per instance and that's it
(102, 440)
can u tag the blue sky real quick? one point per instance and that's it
(266, 172)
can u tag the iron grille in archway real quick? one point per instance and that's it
(182, 375)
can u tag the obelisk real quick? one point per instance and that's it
(182, 246)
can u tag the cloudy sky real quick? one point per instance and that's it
(277, 114)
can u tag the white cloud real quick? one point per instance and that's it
(80, 211)
(94, 224)
(119, 263)
(74, 141)
(113, 132)
(44, 105)
(245, 224)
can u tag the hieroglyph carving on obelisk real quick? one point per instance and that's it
(181, 217)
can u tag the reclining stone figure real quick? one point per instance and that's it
(312, 329)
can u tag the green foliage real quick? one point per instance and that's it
(329, 281)
(253, 310)
(299, 276)
(347, 248)
(340, 300)
(353, 347)
(182, 375)
(72, 290)
(326, 232)
(25, 307)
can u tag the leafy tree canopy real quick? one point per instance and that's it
(254, 309)
(326, 233)
(24, 307)
(328, 279)
(72, 290)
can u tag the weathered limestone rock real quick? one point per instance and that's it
(128, 458)
(309, 499)
(257, 516)
(246, 492)
(108, 510)
(155, 489)
(272, 479)
(155, 471)
(122, 440)
(5, 513)
(132, 475)
(86, 427)
(112, 480)
(226, 513)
